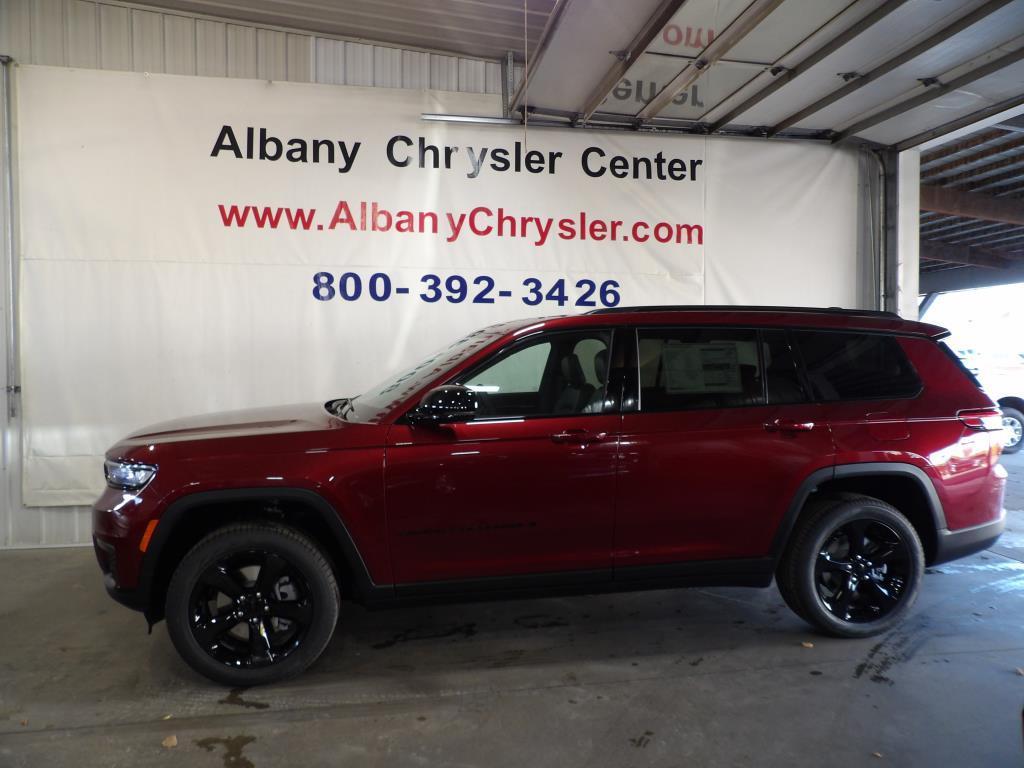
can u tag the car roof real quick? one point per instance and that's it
(835, 318)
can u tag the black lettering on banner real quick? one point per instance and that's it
(226, 141)
(392, 158)
(296, 151)
(266, 141)
(499, 159)
(348, 155)
(584, 160)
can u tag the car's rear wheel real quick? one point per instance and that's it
(1013, 424)
(252, 604)
(853, 568)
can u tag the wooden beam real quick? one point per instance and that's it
(960, 278)
(973, 160)
(963, 254)
(954, 202)
(935, 156)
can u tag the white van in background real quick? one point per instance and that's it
(1002, 378)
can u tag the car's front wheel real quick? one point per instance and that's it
(853, 567)
(251, 604)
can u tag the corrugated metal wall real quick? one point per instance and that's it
(106, 35)
(109, 35)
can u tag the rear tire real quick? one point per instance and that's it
(853, 567)
(1013, 421)
(251, 604)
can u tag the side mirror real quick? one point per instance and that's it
(445, 405)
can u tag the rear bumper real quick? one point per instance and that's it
(953, 545)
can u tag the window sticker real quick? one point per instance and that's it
(701, 368)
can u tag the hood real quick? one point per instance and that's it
(307, 417)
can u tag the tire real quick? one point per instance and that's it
(1013, 420)
(783, 578)
(252, 604)
(822, 562)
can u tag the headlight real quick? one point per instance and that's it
(127, 476)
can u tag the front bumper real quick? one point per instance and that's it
(953, 545)
(106, 556)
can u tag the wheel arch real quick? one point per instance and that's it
(189, 518)
(904, 486)
(1011, 402)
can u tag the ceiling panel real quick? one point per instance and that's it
(695, 25)
(784, 29)
(717, 84)
(765, 66)
(484, 28)
(643, 80)
(958, 54)
(907, 25)
(838, 24)
(981, 93)
(584, 49)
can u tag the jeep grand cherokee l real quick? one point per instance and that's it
(836, 451)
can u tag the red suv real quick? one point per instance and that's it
(633, 448)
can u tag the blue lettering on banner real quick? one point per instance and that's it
(456, 289)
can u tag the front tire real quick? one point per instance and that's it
(1013, 423)
(251, 604)
(853, 568)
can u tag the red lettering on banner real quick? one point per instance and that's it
(479, 210)
(378, 216)
(342, 217)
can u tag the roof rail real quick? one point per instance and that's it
(745, 308)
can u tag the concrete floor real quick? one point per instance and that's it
(716, 677)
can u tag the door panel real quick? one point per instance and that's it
(722, 441)
(709, 485)
(493, 498)
(528, 486)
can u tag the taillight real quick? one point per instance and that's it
(982, 419)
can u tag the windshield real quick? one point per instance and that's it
(379, 399)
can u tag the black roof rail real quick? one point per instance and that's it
(746, 308)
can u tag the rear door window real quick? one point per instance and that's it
(695, 368)
(856, 366)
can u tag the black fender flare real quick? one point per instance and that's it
(874, 468)
(364, 587)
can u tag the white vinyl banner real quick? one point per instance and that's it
(193, 244)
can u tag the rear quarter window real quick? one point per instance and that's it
(856, 366)
(958, 361)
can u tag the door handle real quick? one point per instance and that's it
(788, 425)
(580, 436)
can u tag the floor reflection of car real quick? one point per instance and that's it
(838, 452)
(1002, 378)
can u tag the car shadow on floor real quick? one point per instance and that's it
(557, 631)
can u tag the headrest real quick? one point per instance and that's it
(572, 371)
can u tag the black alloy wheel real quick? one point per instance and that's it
(252, 604)
(853, 566)
(250, 609)
(862, 571)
